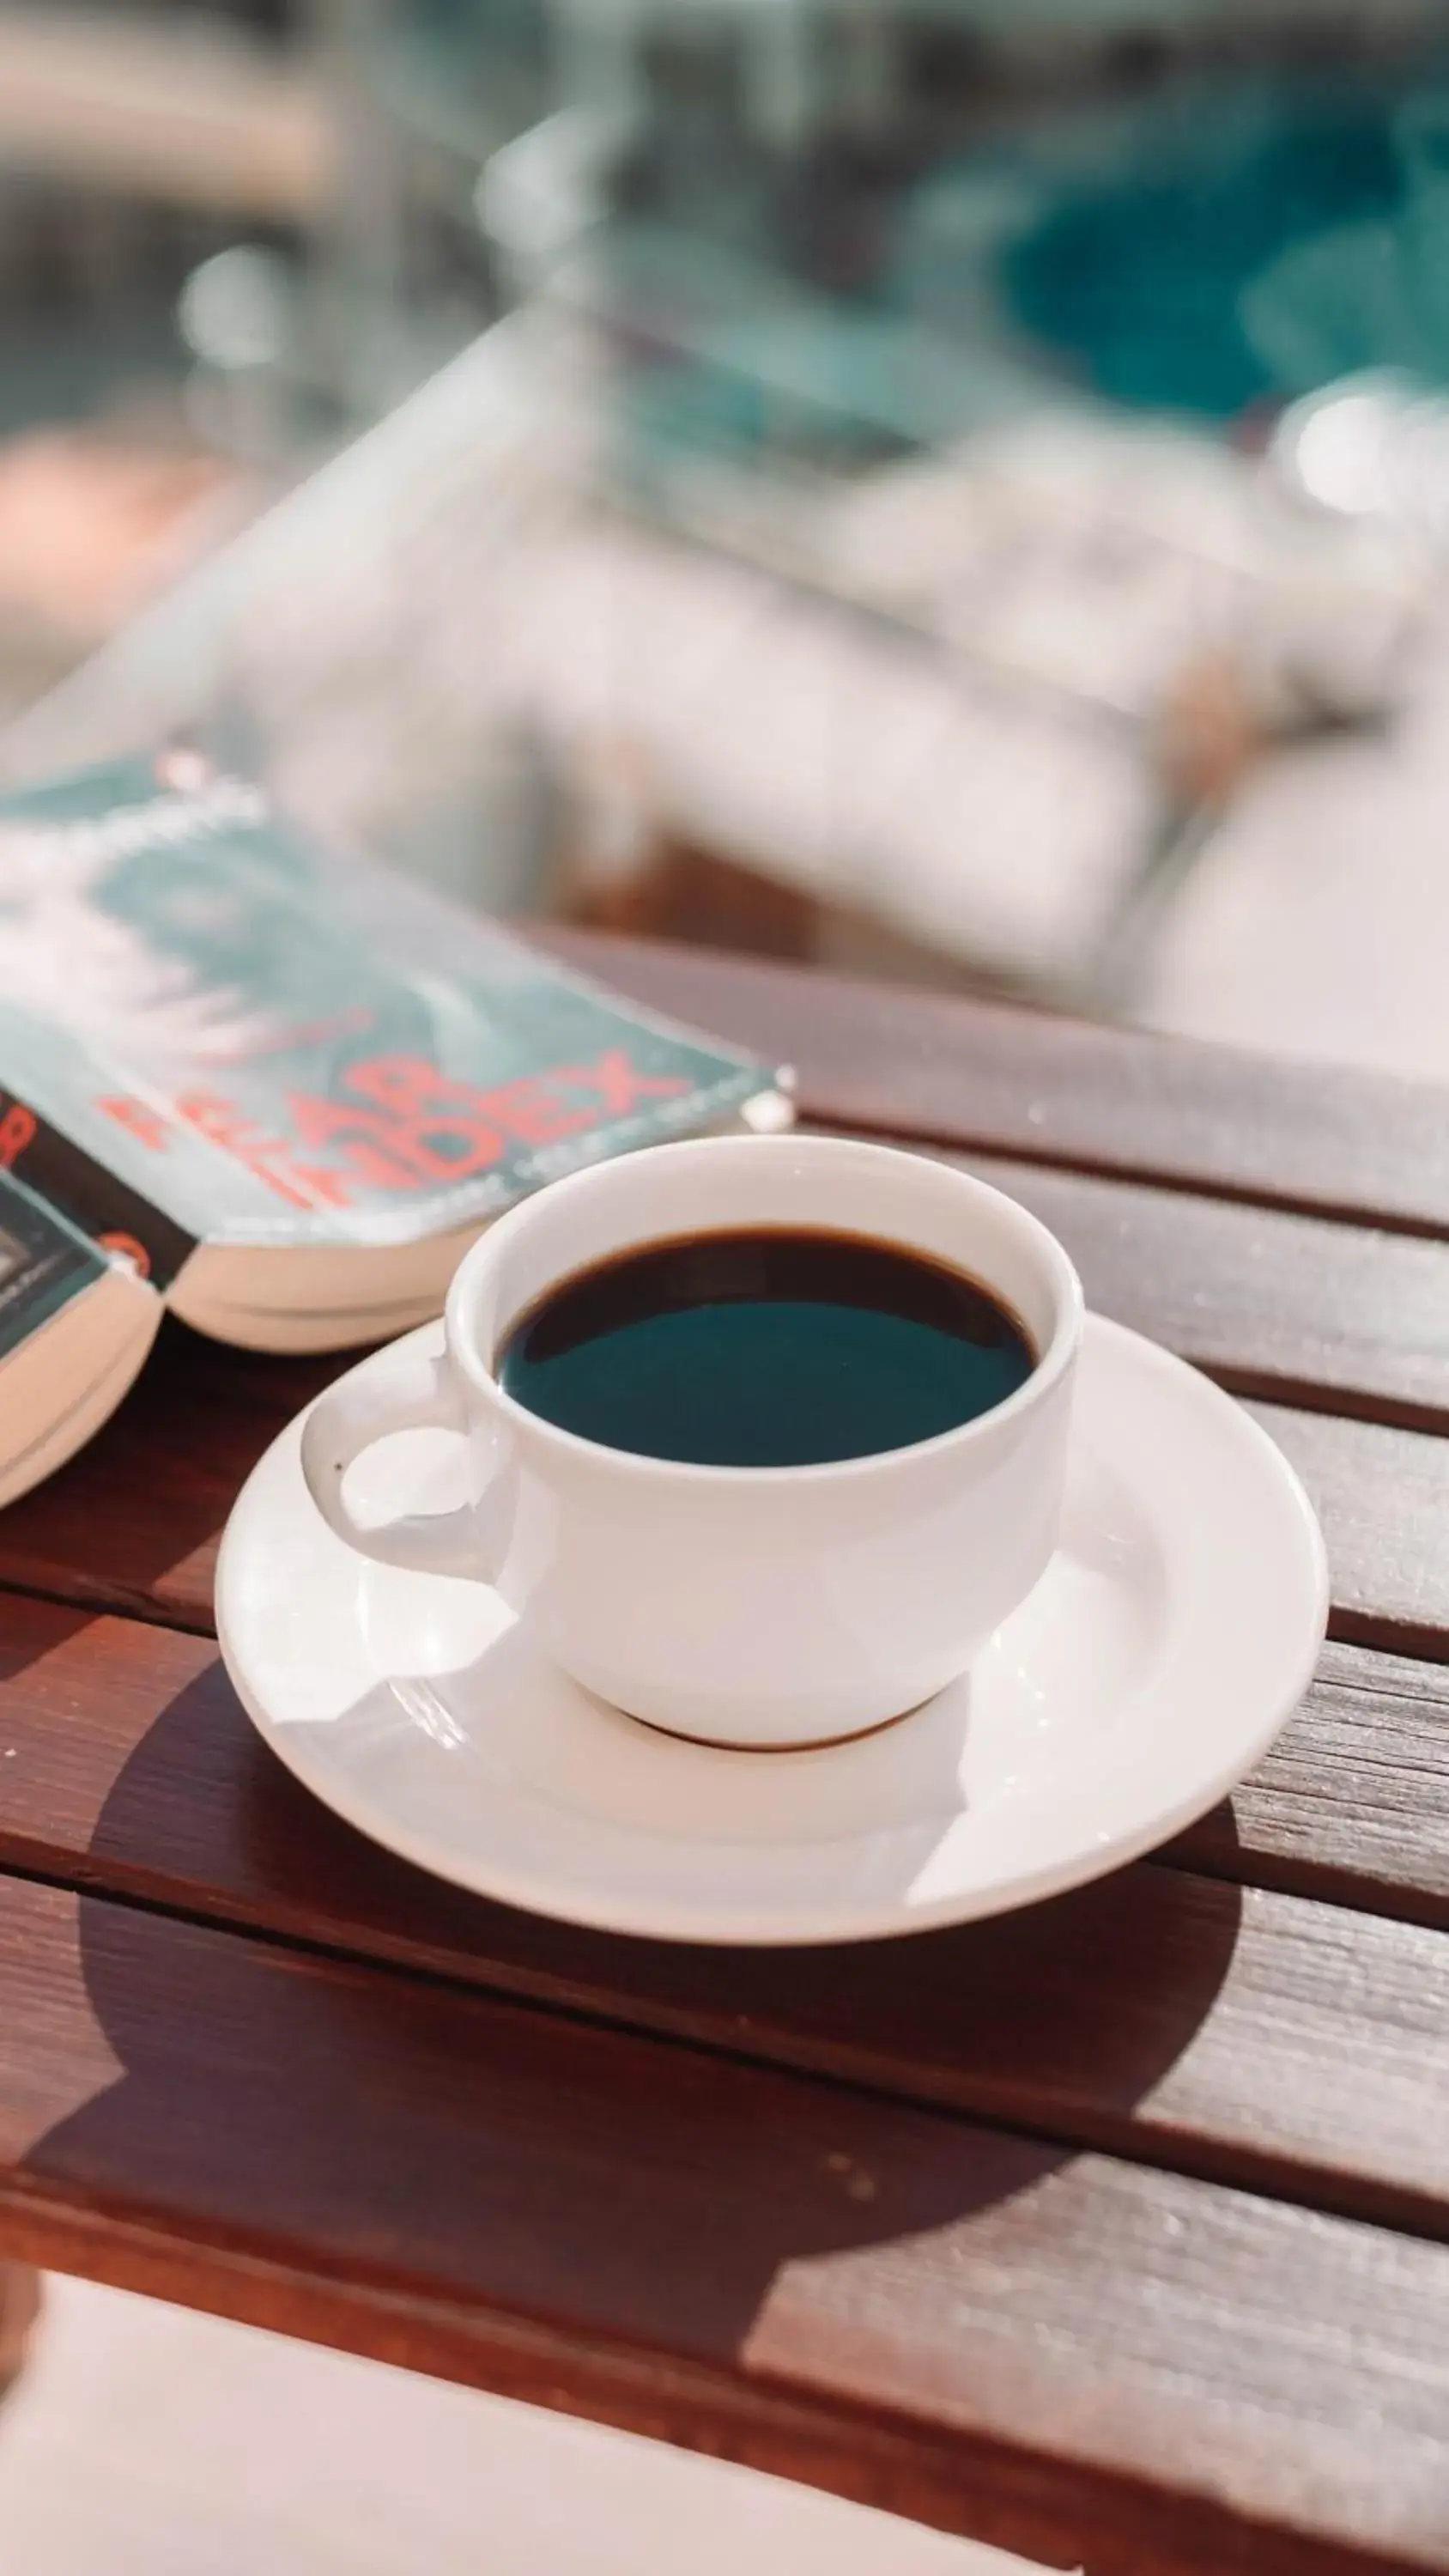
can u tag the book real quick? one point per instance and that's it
(273, 1088)
(75, 1325)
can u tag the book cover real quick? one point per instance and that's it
(215, 1031)
(44, 1263)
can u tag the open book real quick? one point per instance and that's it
(272, 1087)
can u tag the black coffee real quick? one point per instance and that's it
(766, 1348)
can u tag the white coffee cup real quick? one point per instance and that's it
(765, 1607)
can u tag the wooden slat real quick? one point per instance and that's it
(1076, 2356)
(133, 1523)
(979, 1074)
(1260, 2038)
(1352, 1803)
(1328, 1314)
(133, 1759)
(1341, 1318)
(1383, 1499)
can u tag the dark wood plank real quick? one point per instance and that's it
(133, 1757)
(1338, 1317)
(1383, 1499)
(134, 1522)
(1279, 2043)
(1352, 1803)
(981, 1074)
(1342, 1318)
(1069, 2355)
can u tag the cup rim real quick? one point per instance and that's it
(1057, 1357)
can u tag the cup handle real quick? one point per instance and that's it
(414, 1392)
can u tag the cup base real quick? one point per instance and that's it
(804, 1744)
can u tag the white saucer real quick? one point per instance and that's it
(1172, 1635)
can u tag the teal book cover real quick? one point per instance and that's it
(213, 1029)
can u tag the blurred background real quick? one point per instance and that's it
(954, 488)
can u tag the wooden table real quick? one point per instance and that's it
(1114, 2231)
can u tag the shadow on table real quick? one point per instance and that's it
(1067, 2015)
(427, 2141)
(1065, 2018)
